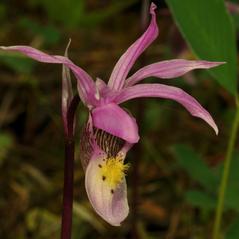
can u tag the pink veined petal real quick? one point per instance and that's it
(87, 143)
(167, 92)
(94, 143)
(100, 84)
(109, 201)
(169, 69)
(114, 120)
(128, 59)
(86, 85)
(104, 94)
(112, 207)
(101, 89)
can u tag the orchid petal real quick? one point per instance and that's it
(102, 90)
(104, 94)
(100, 84)
(128, 59)
(86, 85)
(169, 69)
(114, 120)
(167, 92)
(107, 196)
(112, 207)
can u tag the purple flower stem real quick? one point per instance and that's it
(66, 225)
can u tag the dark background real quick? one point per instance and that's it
(175, 168)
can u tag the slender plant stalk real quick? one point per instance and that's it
(69, 171)
(224, 180)
(68, 190)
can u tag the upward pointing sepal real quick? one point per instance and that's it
(67, 92)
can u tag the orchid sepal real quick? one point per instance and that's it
(67, 93)
(128, 59)
(114, 120)
(167, 92)
(169, 69)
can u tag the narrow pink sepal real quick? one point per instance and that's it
(86, 85)
(169, 69)
(114, 120)
(167, 92)
(128, 59)
(67, 92)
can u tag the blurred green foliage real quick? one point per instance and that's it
(205, 197)
(233, 230)
(73, 13)
(5, 145)
(180, 158)
(17, 62)
(209, 31)
(49, 33)
(208, 179)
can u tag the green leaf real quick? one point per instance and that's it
(85, 214)
(195, 167)
(233, 230)
(208, 29)
(2, 11)
(67, 11)
(17, 62)
(6, 142)
(152, 116)
(42, 223)
(232, 191)
(74, 13)
(49, 33)
(232, 196)
(97, 16)
(200, 199)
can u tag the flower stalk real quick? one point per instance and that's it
(69, 171)
(225, 174)
(68, 190)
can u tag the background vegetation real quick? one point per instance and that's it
(177, 166)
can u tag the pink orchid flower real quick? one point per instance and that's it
(110, 131)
